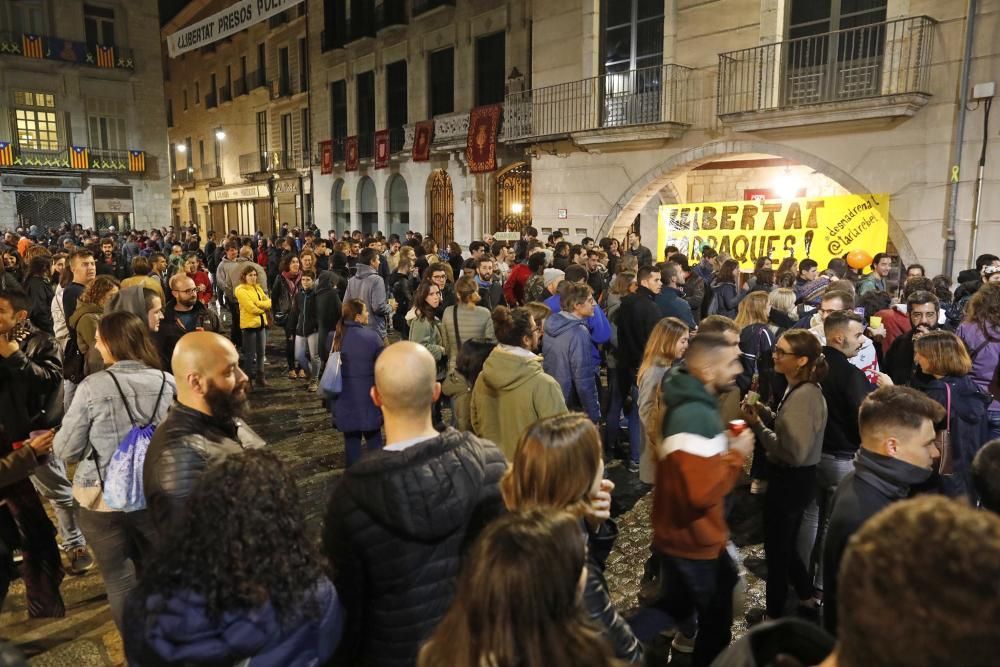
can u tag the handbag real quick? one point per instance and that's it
(946, 464)
(454, 382)
(331, 384)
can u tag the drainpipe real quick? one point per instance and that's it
(963, 101)
(979, 180)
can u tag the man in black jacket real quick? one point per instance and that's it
(670, 300)
(490, 285)
(922, 309)
(399, 520)
(184, 314)
(202, 427)
(897, 452)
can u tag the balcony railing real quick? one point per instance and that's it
(207, 172)
(66, 51)
(877, 60)
(397, 139)
(334, 38)
(360, 27)
(282, 87)
(183, 176)
(253, 163)
(74, 158)
(210, 100)
(390, 13)
(225, 94)
(644, 96)
(290, 158)
(240, 87)
(424, 6)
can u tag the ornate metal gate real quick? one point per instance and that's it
(514, 198)
(442, 208)
(48, 210)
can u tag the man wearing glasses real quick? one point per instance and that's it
(184, 313)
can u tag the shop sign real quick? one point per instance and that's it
(113, 206)
(234, 18)
(818, 228)
(256, 191)
(287, 187)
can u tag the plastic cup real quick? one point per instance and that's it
(874, 322)
(35, 434)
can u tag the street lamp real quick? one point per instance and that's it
(220, 134)
(181, 148)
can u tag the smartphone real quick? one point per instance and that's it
(859, 311)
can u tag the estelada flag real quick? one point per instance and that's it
(32, 45)
(481, 145)
(382, 149)
(137, 161)
(326, 161)
(6, 154)
(79, 157)
(351, 153)
(106, 56)
(423, 135)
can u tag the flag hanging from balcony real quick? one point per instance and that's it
(326, 159)
(137, 161)
(382, 149)
(481, 146)
(79, 157)
(351, 153)
(32, 45)
(6, 154)
(106, 56)
(423, 135)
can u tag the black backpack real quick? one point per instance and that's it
(74, 362)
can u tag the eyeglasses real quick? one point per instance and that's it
(778, 352)
(186, 291)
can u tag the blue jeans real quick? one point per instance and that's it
(352, 441)
(51, 482)
(829, 472)
(613, 414)
(705, 587)
(253, 351)
(994, 418)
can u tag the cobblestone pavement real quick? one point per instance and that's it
(298, 429)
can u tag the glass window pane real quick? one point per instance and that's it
(807, 11)
(617, 45)
(648, 8)
(649, 40)
(619, 12)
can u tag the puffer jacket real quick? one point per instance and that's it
(175, 631)
(568, 359)
(97, 421)
(185, 443)
(31, 387)
(254, 305)
(396, 528)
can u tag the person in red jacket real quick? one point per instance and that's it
(513, 289)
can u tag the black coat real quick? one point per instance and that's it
(898, 360)
(328, 307)
(597, 599)
(31, 387)
(671, 303)
(844, 388)
(637, 316)
(171, 328)
(396, 528)
(41, 292)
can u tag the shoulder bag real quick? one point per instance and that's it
(946, 464)
(454, 382)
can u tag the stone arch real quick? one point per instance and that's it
(659, 181)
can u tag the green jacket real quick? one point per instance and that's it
(428, 333)
(512, 393)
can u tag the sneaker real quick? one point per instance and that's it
(302, 374)
(80, 560)
(758, 487)
(633, 466)
(682, 643)
(292, 375)
(313, 386)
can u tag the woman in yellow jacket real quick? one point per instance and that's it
(255, 313)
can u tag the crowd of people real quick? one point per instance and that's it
(481, 393)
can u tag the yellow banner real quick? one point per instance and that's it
(818, 228)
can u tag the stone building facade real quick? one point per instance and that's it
(83, 138)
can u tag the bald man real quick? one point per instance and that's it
(398, 519)
(203, 426)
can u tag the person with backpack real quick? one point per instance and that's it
(106, 431)
(725, 297)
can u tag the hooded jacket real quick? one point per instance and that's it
(84, 321)
(396, 528)
(695, 472)
(762, 644)
(598, 326)
(568, 359)
(511, 393)
(367, 285)
(876, 482)
(328, 307)
(178, 631)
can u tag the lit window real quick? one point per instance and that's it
(36, 126)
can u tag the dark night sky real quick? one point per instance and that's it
(169, 9)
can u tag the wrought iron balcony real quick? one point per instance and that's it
(876, 70)
(253, 163)
(239, 87)
(289, 158)
(77, 158)
(397, 139)
(423, 6)
(47, 47)
(333, 38)
(225, 94)
(183, 176)
(207, 172)
(210, 100)
(658, 95)
(390, 14)
(360, 27)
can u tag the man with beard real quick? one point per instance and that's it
(203, 426)
(922, 309)
(183, 315)
(111, 263)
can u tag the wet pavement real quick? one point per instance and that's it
(297, 428)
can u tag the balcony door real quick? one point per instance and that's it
(632, 50)
(835, 50)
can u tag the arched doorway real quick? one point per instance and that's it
(367, 206)
(341, 215)
(398, 205)
(442, 208)
(514, 198)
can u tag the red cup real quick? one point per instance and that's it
(737, 426)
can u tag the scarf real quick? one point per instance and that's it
(891, 477)
(292, 280)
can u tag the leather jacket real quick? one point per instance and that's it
(597, 599)
(183, 446)
(31, 389)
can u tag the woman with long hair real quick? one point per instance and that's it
(538, 556)
(666, 346)
(132, 391)
(781, 314)
(792, 436)
(284, 296)
(945, 366)
(788, 265)
(725, 294)
(756, 342)
(89, 309)
(425, 328)
(354, 414)
(464, 321)
(513, 391)
(255, 312)
(38, 286)
(980, 331)
(558, 465)
(12, 271)
(402, 283)
(215, 597)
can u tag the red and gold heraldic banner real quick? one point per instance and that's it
(481, 146)
(382, 149)
(326, 161)
(423, 135)
(351, 153)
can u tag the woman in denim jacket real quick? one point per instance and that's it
(95, 424)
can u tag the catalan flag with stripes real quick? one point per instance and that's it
(6, 154)
(106, 56)
(79, 157)
(32, 45)
(137, 161)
